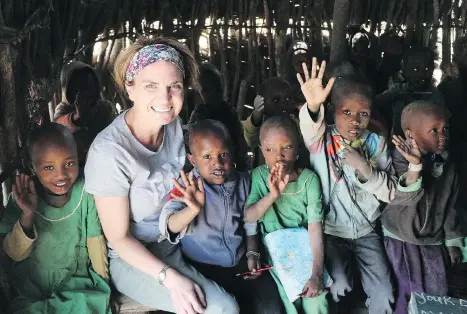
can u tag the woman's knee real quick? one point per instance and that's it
(223, 303)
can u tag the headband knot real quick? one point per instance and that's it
(150, 54)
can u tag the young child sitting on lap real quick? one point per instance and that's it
(205, 215)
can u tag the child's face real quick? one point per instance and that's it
(418, 72)
(279, 149)
(431, 132)
(352, 117)
(212, 157)
(56, 167)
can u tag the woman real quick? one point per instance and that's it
(129, 171)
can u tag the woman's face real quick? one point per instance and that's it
(157, 92)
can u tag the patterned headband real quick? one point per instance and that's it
(150, 54)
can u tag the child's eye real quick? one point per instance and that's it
(70, 164)
(365, 114)
(269, 149)
(288, 147)
(207, 156)
(434, 130)
(48, 168)
(225, 155)
(346, 112)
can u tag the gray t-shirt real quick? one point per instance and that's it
(119, 165)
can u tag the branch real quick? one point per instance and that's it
(39, 19)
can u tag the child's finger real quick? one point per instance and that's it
(299, 78)
(178, 186)
(178, 198)
(328, 87)
(321, 70)
(306, 73)
(184, 178)
(200, 185)
(286, 179)
(14, 190)
(32, 187)
(18, 180)
(191, 178)
(314, 66)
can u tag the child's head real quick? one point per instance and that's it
(460, 53)
(351, 100)
(211, 83)
(211, 150)
(279, 139)
(53, 157)
(419, 63)
(427, 124)
(276, 92)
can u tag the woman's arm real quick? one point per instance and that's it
(257, 210)
(315, 230)
(114, 214)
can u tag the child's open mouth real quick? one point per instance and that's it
(219, 173)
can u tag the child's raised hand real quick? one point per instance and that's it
(408, 149)
(278, 180)
(312, 88)
(193, 191)
(313, 287)
(24, 193)
(253, 264)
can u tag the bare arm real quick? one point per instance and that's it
(315, 230)
(256, 211)
(114, 214)
(180, 220)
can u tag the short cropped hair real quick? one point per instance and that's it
(414, 109)
(350, 85)
(208, 127)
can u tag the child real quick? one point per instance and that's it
(285, 196)
(418, 66)
(52, 233)
(354, 167)
(205, 214)
(423, 221)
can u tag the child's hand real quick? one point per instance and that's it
(409, 150)
(313, 90)
(257, 114)
(353, 158)
(313, 287)
(278, 180)
(193, 192)
(455, 254)
(24, 193)
(253, 264)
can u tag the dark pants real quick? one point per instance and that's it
(417, 269)
(370, 257)
(259, 296)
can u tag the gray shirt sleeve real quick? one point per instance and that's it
(170, 208)
(107, 171)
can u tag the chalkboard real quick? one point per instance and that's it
(421, 303)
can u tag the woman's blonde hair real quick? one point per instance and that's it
(125, 57)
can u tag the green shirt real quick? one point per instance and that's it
(299, 205)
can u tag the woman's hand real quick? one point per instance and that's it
(312, 88)
(193, 192)
(187, 296)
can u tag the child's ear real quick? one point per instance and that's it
(191, 159)
(408, 134)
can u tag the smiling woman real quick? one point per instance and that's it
(129, 171)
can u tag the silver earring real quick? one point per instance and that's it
(235, 165)
(296, 158)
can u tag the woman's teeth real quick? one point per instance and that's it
(161, 109)
(60, 184)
